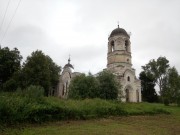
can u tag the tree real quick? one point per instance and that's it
(147, 85)
(104, 86)
(83, 86)
(171, 91)
(39, 69)
(158, 68)
(178, 94)
(10, 63)
(110, 88)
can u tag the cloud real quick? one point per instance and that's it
(81, 28)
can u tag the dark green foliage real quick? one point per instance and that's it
(158, 68)
(105, 86)
(10, 85)
(147, 85)
(30, 106)
(171, 91)
(109, 86)
(83, 86)
(166, 101)
(10, 63)
(165, 77)
(16, 106)
(33, 92)
(39, 69)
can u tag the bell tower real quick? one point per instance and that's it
(120, 64)
(119, 49)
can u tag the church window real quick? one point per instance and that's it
(112, 46)
(128, 79)
(126, 45)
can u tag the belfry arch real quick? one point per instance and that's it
(112, 46)
(127, 46)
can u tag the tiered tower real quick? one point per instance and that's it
(119, 63)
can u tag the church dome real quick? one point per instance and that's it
(68, 65)
(118, 31)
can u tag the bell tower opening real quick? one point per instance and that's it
(112, 46)
(119, 49)
(119, 60)
(127, 46)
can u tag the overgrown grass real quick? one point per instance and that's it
(20, 108)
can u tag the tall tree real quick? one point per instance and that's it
(158, 68)
(10, 62)
(171, 91)
(39, 69)
(83, 86)
(110, 88)
(147, 85)
(104, 86)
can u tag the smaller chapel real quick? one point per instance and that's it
(65, 78)
(119, 62)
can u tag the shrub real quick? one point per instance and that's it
(20, 107)
(34, 92)
(110, 88)
(104, 86)
(83, 86)
(166, 101)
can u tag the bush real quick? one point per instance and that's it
(178, 101)
(10, 85)
(166, 101)
(19, 107)
(83, 87)
(104, 86)
(34, 92)
(110, 88)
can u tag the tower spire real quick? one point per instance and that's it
(118, 24)
(69, 59)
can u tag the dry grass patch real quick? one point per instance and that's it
(132, 125)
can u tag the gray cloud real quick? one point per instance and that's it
(81, 28)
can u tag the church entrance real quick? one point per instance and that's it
(127, 95)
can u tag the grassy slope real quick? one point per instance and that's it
(131, 125)
(16, 108)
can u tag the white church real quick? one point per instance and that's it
(118, 62)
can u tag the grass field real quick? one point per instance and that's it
(160, 124)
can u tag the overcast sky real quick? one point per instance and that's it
(81, 28)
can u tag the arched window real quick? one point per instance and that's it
(112, 46)
(127, 46)
(128, 79)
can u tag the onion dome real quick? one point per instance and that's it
(69, 65)
(118, 31)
